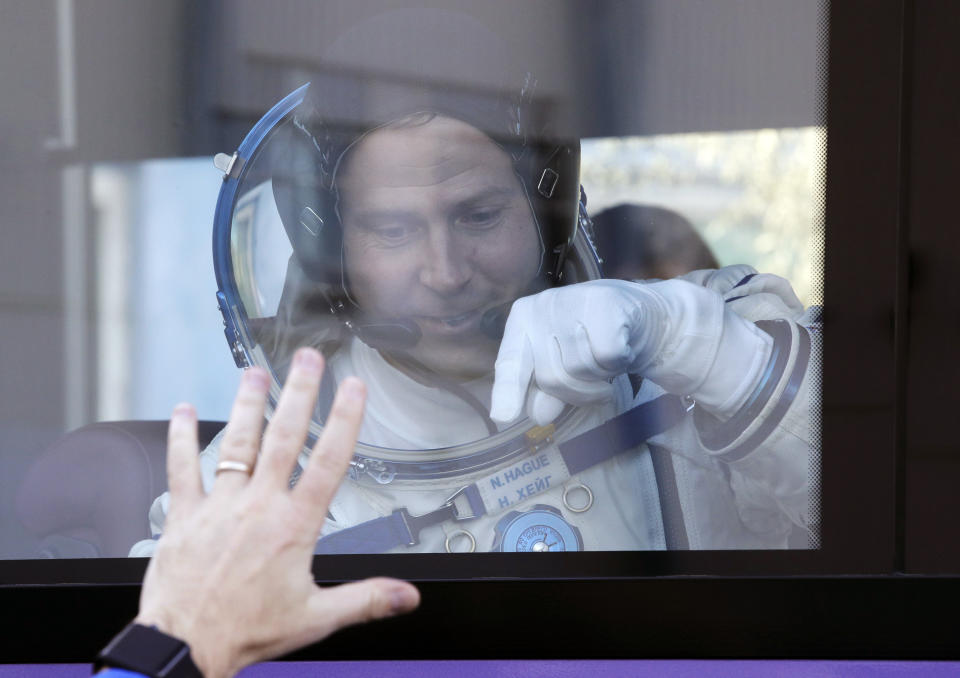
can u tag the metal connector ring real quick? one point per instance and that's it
(567, 491)
(456, 535)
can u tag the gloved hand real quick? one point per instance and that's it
(720, 280)
(566, 344)
(770, 296)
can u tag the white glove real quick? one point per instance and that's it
(770, 296)
(720, 280)
(564, 345)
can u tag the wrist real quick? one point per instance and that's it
(765, 407)
(150, 652)
(741, 358)
(212, 658)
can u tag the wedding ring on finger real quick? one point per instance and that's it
(228, 465)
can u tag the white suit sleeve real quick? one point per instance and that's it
(744, 480)
(161, 505)
(770, 446)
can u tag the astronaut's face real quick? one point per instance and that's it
(437, 230)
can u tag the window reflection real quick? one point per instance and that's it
(753, 196)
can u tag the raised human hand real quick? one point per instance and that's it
(231, 574)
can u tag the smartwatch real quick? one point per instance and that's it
(146, 650)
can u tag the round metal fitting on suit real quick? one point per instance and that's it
(454, 536)
(579, 507)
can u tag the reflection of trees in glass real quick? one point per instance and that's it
(752, 195)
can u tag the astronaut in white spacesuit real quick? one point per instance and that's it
(517, 401)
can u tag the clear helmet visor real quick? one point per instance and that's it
(398, 260)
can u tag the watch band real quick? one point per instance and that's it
(148, 651)
(114, 672)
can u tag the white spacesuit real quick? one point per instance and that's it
(672, 491)
(516, 402)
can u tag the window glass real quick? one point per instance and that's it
(578, 263)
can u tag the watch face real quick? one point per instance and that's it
(150, 652)
(539, 530)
